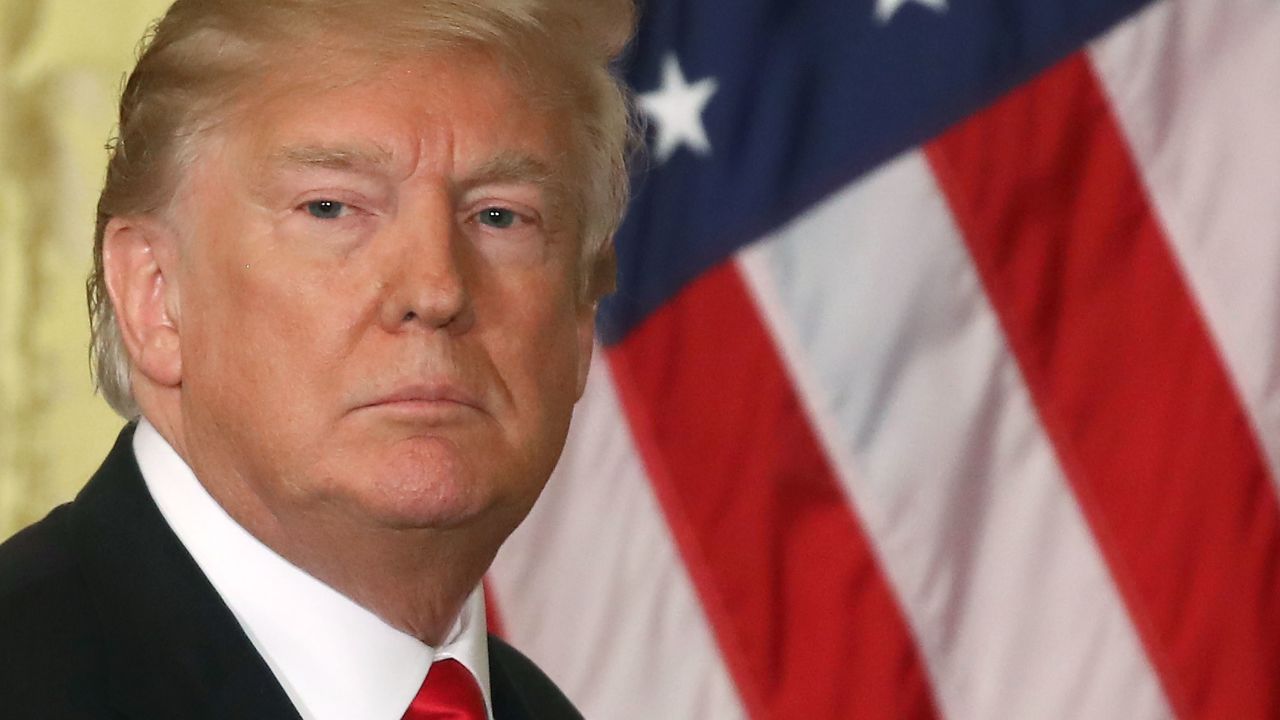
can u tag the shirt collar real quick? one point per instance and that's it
(334, 659)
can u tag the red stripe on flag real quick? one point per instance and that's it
(1128, 383)
(492, 616)
(804, 617)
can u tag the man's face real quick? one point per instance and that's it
(376, 295)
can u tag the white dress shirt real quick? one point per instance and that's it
(335, 659)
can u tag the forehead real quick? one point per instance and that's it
(356, 111)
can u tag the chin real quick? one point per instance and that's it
(426, 515)
(433, 489)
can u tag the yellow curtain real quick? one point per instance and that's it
(62, 63)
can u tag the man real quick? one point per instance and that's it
(347, 260)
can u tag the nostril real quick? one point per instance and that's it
(410, 316)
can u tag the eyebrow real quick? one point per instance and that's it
(342, 158)
(512, 167)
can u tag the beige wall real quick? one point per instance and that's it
(62, 63)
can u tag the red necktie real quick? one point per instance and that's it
(448, 693)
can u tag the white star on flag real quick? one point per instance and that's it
(676, 109)
(886, 9)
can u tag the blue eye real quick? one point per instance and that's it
(499, 218)
(325, 209)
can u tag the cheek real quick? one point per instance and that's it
(551, 359)
(251, 337)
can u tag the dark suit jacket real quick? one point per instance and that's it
(104, 614)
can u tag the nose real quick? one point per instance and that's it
(426, 275)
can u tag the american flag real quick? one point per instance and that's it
(943, 378)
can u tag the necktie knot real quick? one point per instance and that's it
(450, 692)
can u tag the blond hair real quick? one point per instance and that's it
(203, 54)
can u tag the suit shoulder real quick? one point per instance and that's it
(46, 559)
(50, 662)
(35, 560)
(521, 689)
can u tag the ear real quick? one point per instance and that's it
(586, 344)
(139, 259)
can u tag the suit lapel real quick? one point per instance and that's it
(174, 649)
(507, 701)
(520, 690)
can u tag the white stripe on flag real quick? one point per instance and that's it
(1196, 88)
(900, 360)
(592, 588)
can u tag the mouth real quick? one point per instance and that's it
(428, 399)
